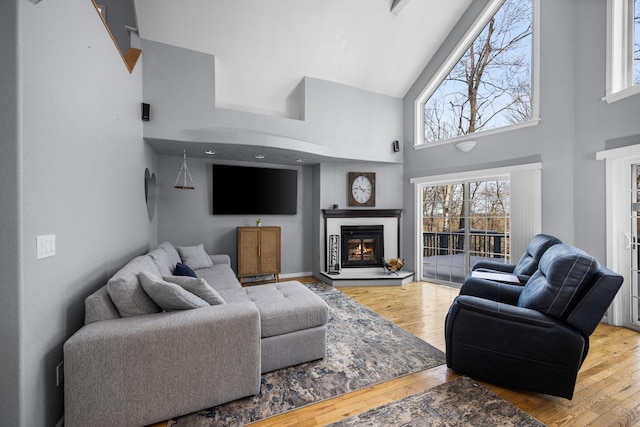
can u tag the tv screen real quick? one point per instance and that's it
(244, 190)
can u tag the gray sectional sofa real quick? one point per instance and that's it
(143, 357)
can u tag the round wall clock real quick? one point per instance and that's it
(361, 189)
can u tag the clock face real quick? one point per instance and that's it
(361, 189)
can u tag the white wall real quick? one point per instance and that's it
(575, 124)
(80, 168)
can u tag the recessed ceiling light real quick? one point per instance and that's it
(209, 152)
(259, 156)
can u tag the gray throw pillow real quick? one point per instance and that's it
(125, 289)
(195, 256)
(167, 295)
(198, 287)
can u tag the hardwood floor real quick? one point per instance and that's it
(607, 391)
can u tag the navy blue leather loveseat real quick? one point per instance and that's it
(532, 337)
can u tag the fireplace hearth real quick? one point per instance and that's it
(362, 245)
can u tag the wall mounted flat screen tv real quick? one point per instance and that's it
(244, 190)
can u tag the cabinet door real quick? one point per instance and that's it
(270, 250)
(248, 247)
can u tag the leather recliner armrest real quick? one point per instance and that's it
(493, 266)
(494, 291)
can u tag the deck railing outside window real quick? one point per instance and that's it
(483, 243)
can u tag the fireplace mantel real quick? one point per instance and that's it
(362, 213)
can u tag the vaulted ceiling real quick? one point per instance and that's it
(264, 48)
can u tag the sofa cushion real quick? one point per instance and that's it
(220, 277)
(183, 270)
(168, 295)
(162, 260)
(171, 251)
(198, 287)
(284, 306)
(126, 292)
(563, 273)
(98, 306)
(195, 256)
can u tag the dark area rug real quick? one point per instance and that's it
(363, 349)
(461, 402)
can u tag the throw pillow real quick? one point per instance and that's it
(125, 289)
(183, 270)
(195, 256)
(167, 295)
(198, 287)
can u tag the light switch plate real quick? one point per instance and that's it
(46, 246)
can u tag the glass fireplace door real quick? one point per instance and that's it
(361, 250)
(362, 246)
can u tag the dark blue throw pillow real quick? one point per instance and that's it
(183, 270)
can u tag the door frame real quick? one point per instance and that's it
(618, 164)
(526, 203)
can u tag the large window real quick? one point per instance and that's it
(490, 85)
(623, 49)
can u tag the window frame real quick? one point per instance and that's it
(525, 209)
(469, 37)
(466, 233)
(620, 44)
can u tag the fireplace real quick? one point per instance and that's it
(335, 258)
(362, 245)
(363, 267)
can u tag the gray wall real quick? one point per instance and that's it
(120, 13)
(184, 216)
(575, 123)
(336, 120)
(339, 121)
(10, 220)
(75, 163)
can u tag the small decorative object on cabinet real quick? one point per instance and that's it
(258, 252)
(361, 189)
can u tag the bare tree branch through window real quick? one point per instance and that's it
(490, 86)
(636, 42)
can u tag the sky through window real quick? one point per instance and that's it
(490, 86)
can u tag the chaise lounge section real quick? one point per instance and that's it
(138, 360)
